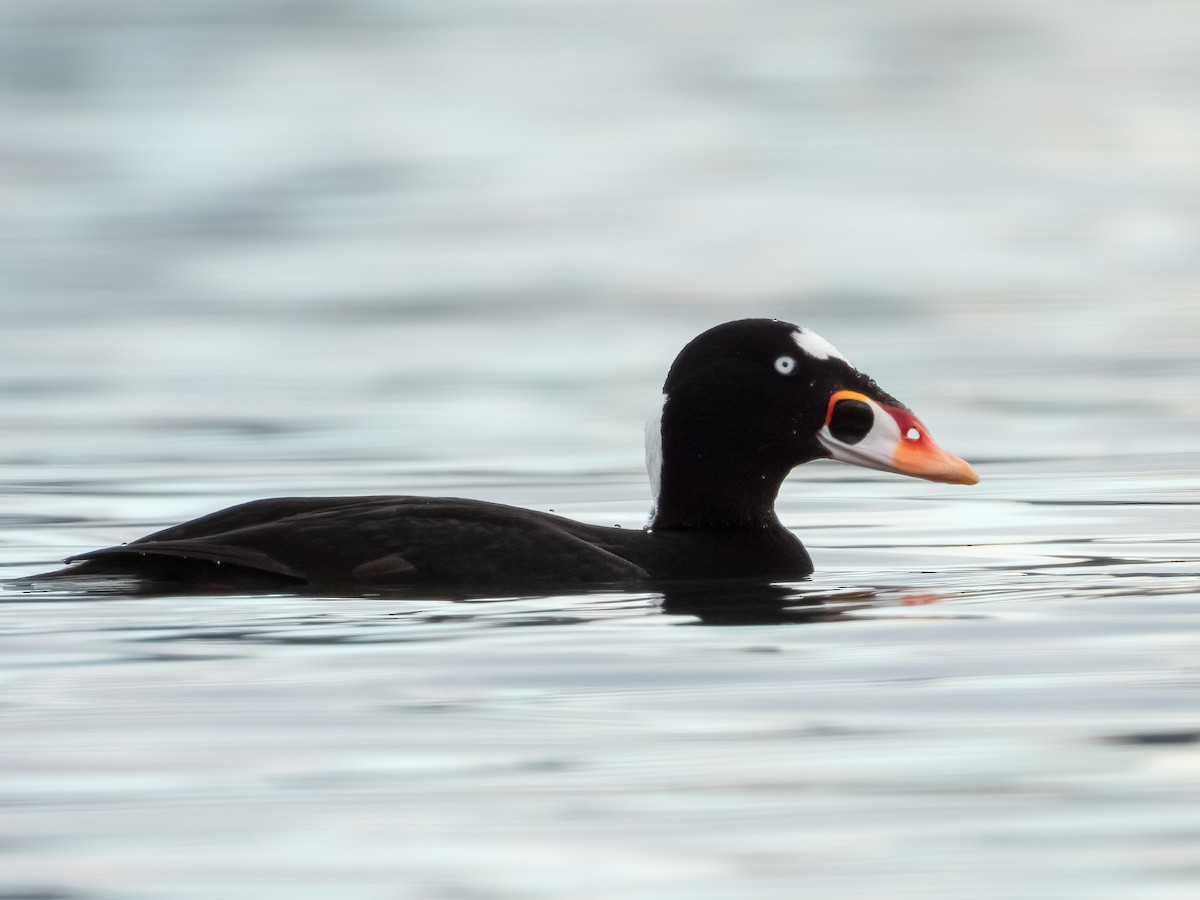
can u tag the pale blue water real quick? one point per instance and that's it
(303, 248)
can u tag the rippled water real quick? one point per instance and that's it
(472, 285)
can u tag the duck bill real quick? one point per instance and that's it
(864, 432)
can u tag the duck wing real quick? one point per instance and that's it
(384, 541)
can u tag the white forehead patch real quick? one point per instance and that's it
(815, 345)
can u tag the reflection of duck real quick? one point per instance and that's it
(743, 404)
(756, 602)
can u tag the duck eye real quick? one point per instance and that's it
(785, 365)
(850, 421)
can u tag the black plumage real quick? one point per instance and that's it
(745, 403)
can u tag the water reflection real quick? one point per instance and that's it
(756, 603)
(425, 614)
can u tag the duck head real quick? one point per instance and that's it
(746, 402)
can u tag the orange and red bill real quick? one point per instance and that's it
(889, 438)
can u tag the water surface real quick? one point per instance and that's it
(450, 249)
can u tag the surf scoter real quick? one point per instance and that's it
(743, 404)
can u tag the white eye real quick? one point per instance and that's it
(912, 434)
(785, 365)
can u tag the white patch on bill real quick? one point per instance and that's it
(654, 452)
(815, 345)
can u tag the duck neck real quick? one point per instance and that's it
(739, 497)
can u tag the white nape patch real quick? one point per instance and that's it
(815, 345)
(654, 451)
